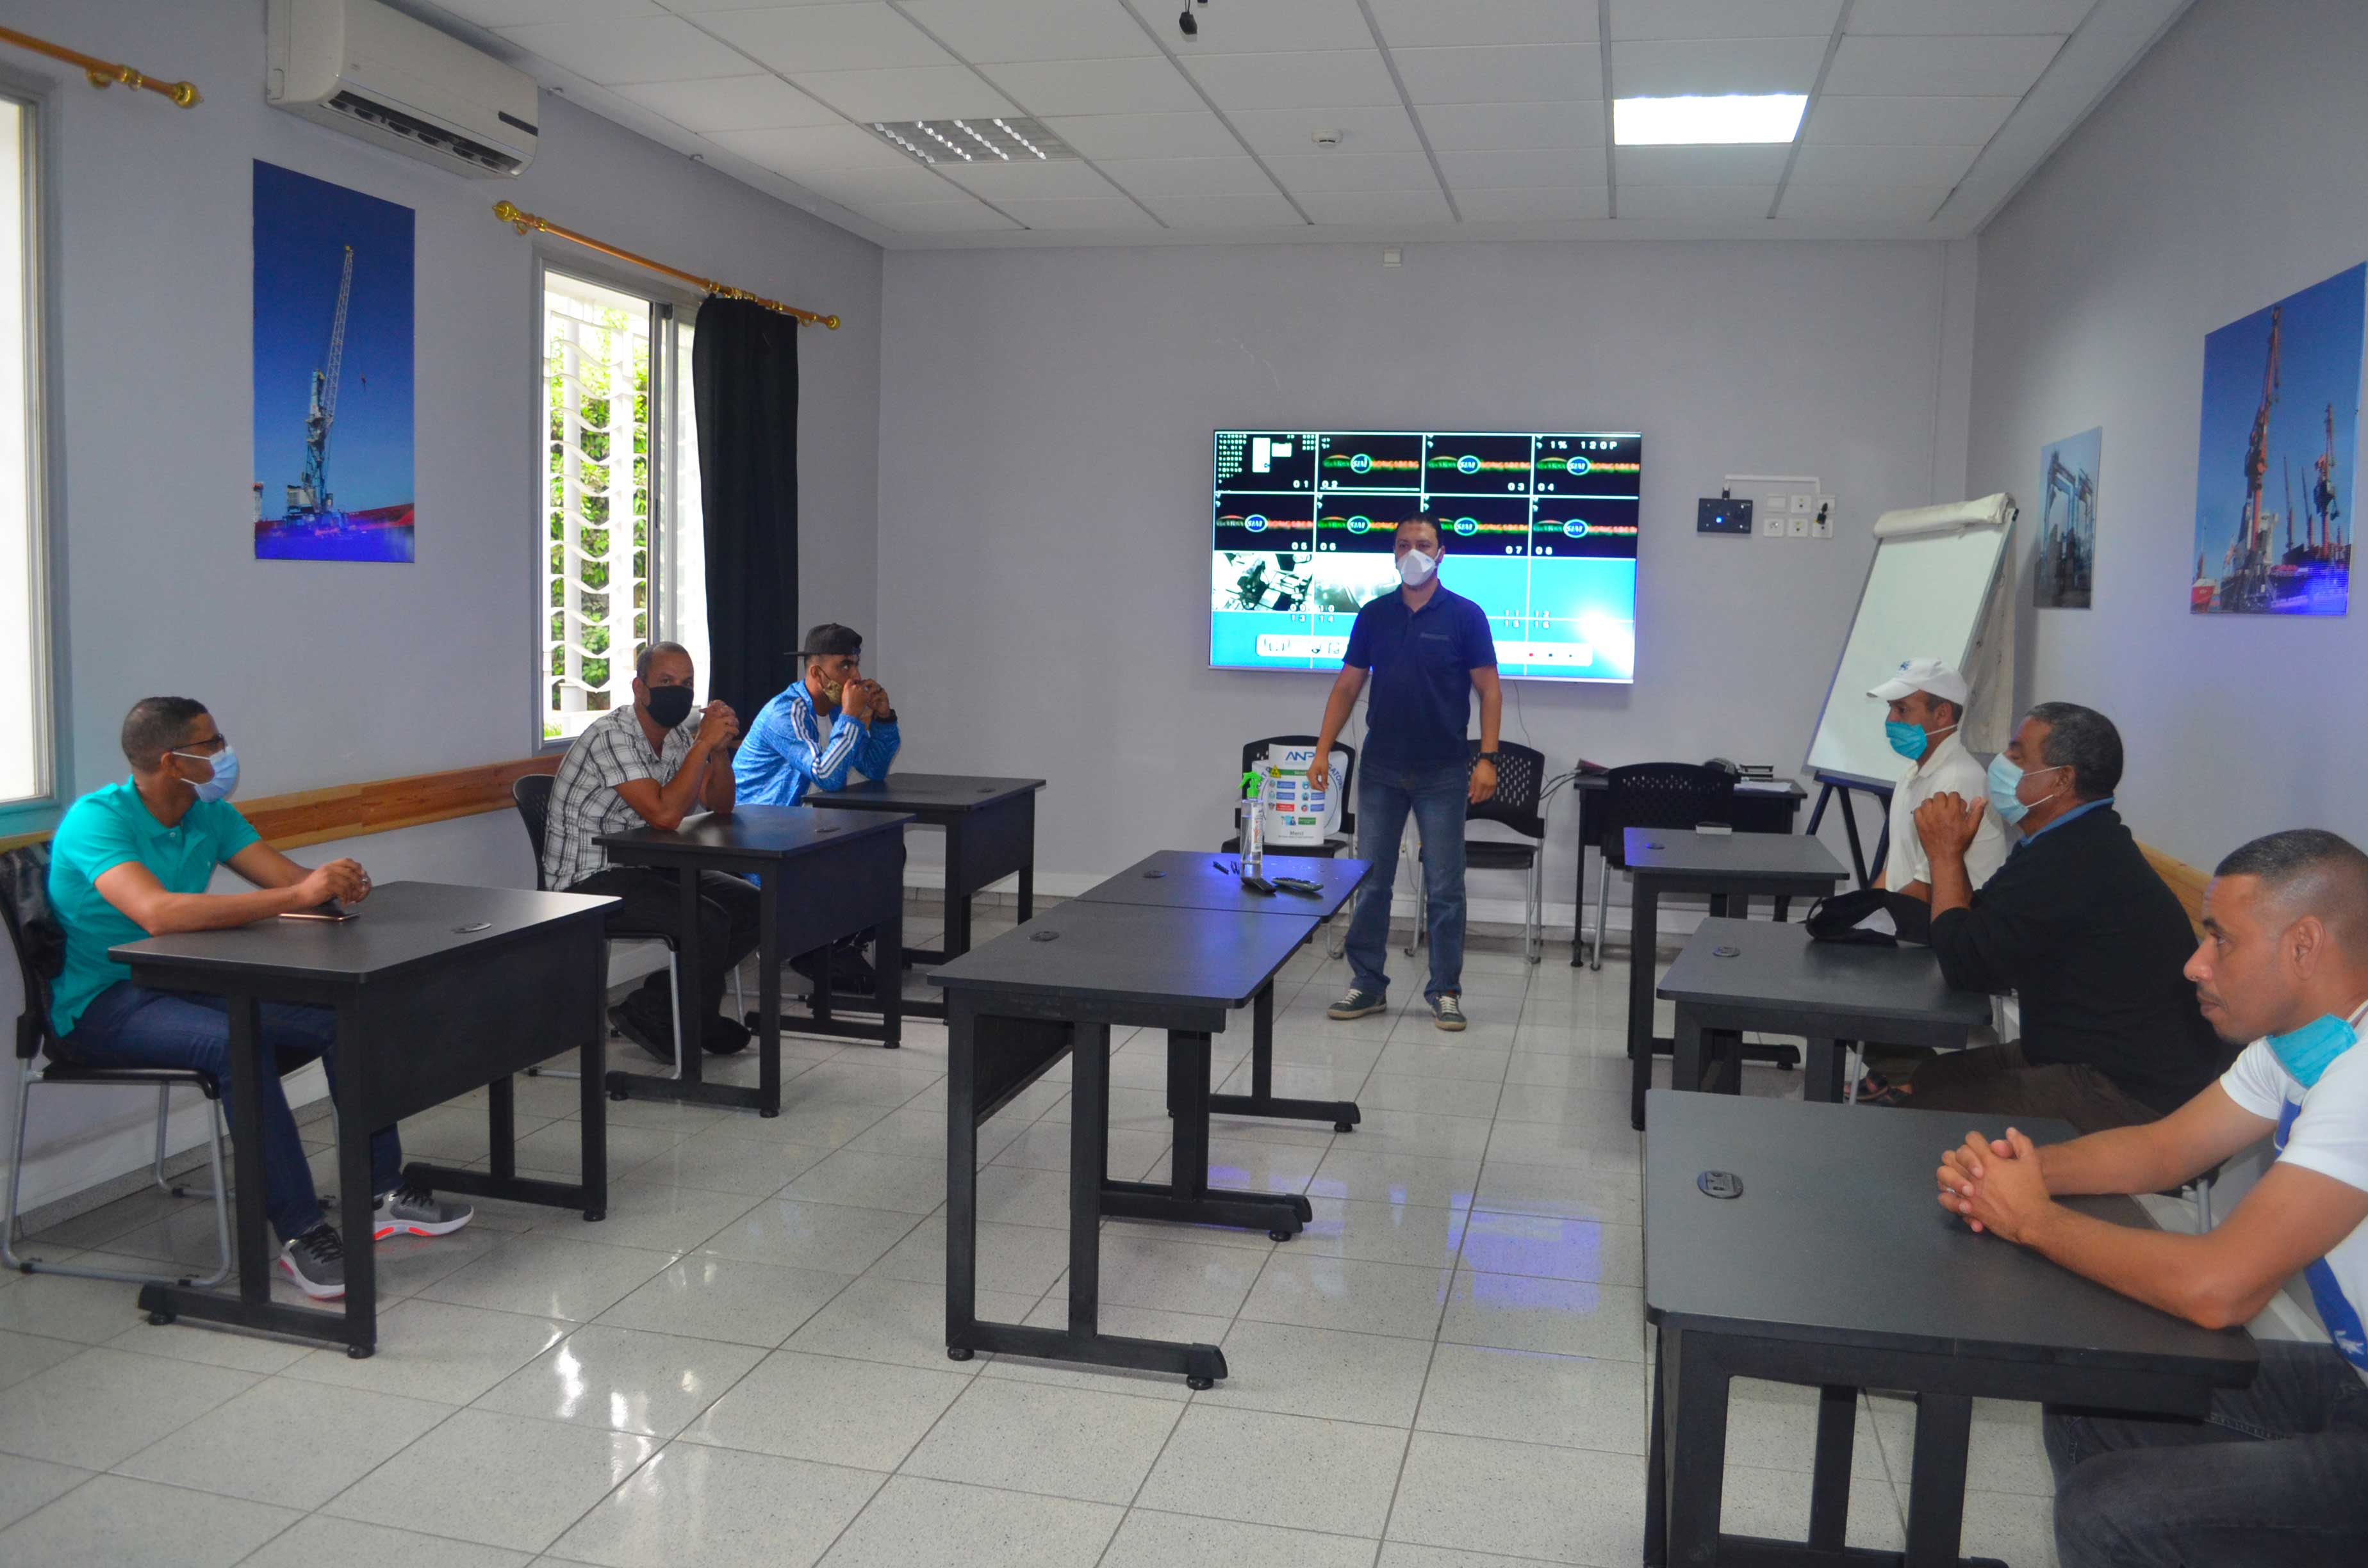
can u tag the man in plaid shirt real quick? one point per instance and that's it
(654, 763)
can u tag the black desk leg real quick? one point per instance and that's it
(1936, 1482)
(1027, 888)
(501, 1127)
(769, 1005)
(592, 1106)
(247, 1070)
(355, 1052)
(1826, 1064)
(1689, 1062)
(690, 1029)
(1187, 1198)
(1657, 1463)
(1693, 1436)
(1830, 1482)
(1579, 908)
(1643, 921)
(955, 941)
(1342, 1114)
(962, 1181)
(889, 987)
(1088, 1169)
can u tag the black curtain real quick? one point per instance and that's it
(745, 374)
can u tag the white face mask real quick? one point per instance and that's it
(1415, 568)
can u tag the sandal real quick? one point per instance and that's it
(1875, 1089)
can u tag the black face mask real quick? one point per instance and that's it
(669, 705)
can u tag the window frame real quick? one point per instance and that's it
(672, 311)
(38, 184)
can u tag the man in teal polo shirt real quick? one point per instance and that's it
(133, 860)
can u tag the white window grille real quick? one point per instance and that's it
(619, 454)
(26, 755)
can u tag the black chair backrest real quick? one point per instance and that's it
(532, 795)
(1662, 794)
(35, 934)
(1521, 775)
(1254, 752)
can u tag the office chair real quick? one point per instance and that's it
(1520, 782)
(1654, 794)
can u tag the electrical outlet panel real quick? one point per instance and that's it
(1803, 506)
(1821, 521)
(1796, 527)
(1773, 526)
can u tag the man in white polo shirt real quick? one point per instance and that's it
(1927, 703)
(2278, 1473)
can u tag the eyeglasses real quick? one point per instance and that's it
(211, 746)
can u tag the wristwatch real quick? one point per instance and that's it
(1486, 757)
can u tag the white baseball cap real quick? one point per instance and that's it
(1923, 674)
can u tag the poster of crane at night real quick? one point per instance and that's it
(333, 340)
(2281, 428)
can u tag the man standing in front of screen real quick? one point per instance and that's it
(1428, 650)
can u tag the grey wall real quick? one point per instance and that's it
(1044, 480)
(331, 673)
(2228, 170)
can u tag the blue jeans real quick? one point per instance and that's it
(2277, 1476)
(1435, 794)
(130, 1026)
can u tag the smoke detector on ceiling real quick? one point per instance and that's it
(1325, 138)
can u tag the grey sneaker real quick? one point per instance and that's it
(316, 1261)
(1447, 1011)
(1357, 1004)
(408, 1211)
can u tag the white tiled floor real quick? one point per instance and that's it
(745, 1363)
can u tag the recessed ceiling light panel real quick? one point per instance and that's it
(1727, 120)
(985, 140)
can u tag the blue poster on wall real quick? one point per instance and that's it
(332, 341)
(2274, 480)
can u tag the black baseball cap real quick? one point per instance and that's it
(831, 640)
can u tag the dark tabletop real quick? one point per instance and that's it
(751, 833)
(1599, 781)
(1776, 963)
(1190, 878)
(399, 926)
(925, 791)
(1132, 952)
(1682, 851)
(1840, 1237)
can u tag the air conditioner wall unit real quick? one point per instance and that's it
(371, 72)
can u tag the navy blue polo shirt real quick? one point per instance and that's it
(1419, 703)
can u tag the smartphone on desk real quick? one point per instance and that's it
(332, 910)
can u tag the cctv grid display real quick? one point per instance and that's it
(1541, 532)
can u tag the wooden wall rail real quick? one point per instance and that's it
(2183, 879)
(353, 811)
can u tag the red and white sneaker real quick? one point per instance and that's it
(408, 1211)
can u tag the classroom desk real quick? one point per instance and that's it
(438, 991)
(1184, 879)
(1058, 984)
(1724, 865)
(1837, 1269)
(1762, 806)
(1757, 974)
(826, 874)
(990, 828)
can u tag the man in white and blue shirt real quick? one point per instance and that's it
(830, 722)
(2278, 1473)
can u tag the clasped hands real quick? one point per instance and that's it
(1946, 824)
(1996, 1185)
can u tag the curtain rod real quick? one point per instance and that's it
(103, 72)
(510, 213)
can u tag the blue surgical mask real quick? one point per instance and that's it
(2005, 779)
(2306, 1052)
(1910, 741)
(225, 778)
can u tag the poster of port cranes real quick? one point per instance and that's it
(2280, 438)
(333, 357)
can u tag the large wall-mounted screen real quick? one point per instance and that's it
(1541, 531)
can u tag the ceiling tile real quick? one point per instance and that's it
(835, 146)
(1970, 67)
(1667, 70)
(1148, 178)
(1370, 128)
(1538, 169)
(1957, 18)
(1830, 165)
(828, 37)
(1079, 212)
(1295, 80)
(959, 217)
(520, 13)
(1245, 211)
(998, 181)
(853, 187)
(988, 30)
(1696, 203)
(1415, 23)
(1196, 135)
(1096, 86)
(659, 49)
(1884, 204)
(929, 92)
(1699, 166)
(1724, 18)
(1486, 128)
(1354, 170)
(1533, 205)
(730, 103)
(1502, 73)
(1377, 207)
(1255, 27)
(1925, 122)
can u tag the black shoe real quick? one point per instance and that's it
(623, 1020)
(724, 1036)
